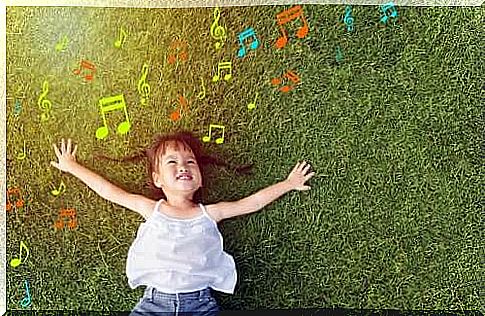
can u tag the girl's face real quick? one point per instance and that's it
(177, 170)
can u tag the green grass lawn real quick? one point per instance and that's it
(393, 132)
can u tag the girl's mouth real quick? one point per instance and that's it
(184, 177)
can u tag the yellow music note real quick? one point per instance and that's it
(221, 66)
(109, 104)
(15, 262)
(62, 188)
(143, 87)
(217, 32)
(201, 94)
(252, 105)
(62, 44)
(23, 154)
(121, 38)
(219, 140)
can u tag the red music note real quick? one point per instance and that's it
(86, 65)
(286, 16)
(290, 75)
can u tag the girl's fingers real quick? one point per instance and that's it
(63, 146)
(56, 150)
(68, 145)
(54, 164)
(295, 167)
(74, 151)
(308, 176)
(307, 167)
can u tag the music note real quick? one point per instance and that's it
(70, 214)
(252, 105)
(15, 262)
(18, 108)
(201, 94)
(177, 45)
(27, 300)
(175, 116)
(62, 189)
(388, 7)
(109, 104)
(121, 38)
(218, 32)
(289, 75)
(62, 44)
(143, 87)
(348, 19)
(85, 64)
(221, 66)
(18, 203)
(23, 154)
(44, 104)
(286, 16)
(219, 140)
(248, 33)
(338, 54)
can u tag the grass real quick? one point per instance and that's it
(392, 131)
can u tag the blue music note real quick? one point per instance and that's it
(249, 32)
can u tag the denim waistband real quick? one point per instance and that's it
(152, 293)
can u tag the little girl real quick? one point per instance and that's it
(178, 253)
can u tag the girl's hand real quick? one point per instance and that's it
(66, 158)
(299, 176)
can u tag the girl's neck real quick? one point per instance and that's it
(181, 202)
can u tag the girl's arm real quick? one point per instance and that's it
(253, 203)
(105, 189)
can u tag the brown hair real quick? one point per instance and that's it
(189, 142)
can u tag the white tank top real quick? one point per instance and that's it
(180, 255)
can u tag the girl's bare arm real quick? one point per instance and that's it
(295, 181)
(105, 189)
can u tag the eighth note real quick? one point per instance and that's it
(219, 140)
(109, 104)
(252, 105)
(71, 214)
(248, 33)
(121, 38)
(221, 66)
(62, 189)
(385, 7)
(287, 16)
(85, 64)
(62, 44)
(290, 75)
(15, 262)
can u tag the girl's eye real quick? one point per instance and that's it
(171, 161)
(191, 161)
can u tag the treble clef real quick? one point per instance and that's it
(218, 32)
(143, 87)
(348, 19)
(44, 104)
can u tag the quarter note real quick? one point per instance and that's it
(388, 7)
(23, 154)
(15, 262)
(18, 108)
(221, 66)
(44, 104)
(143, 87)
(109, 104)
(85, 64)
(248, 33)
(252, 105)
(121, 38)
(201, 94)
(295, 12)
(27, 300)
(338, 54)
(348, 19)
(217, 32)
(219, 140)
(62, 188)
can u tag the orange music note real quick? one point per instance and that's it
(15, 262)
(287, 16)
(70, 214)
(175, 116)
(289, 75)
(19, 202)
(109, 104)
(176, 46)
(221, 66)
(219, 140)
(85, 64)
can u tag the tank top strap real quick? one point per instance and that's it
(204, 211)
(157, 205)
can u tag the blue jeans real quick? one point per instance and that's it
(156, 303)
